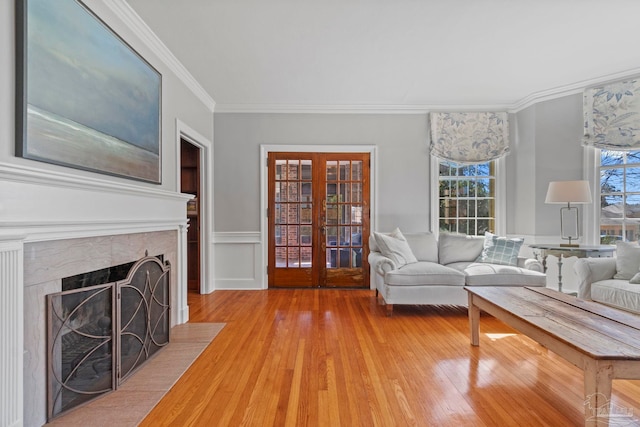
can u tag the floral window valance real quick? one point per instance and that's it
(469, 137)
(612, 116)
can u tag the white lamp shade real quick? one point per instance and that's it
(568, 192)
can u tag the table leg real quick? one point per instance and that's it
(560, 273)
(597, 393)
(474, 322)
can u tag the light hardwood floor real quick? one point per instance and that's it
(333, 358)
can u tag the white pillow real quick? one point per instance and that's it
(627, 260)
(395, 247)
(453, 247)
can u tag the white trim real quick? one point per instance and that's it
(32, 175)
(236, 237)
(132, 20)
(265, 149)
(501, 196)
(61, 230)
(349, 109)
(569, 89)
(207, 265)
(591, 212)
(534, 98)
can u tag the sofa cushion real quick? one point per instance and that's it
(627, 260)
(459, 247)
(423, 245)
(424, 273)
(483, 274)
(500, 250)
(395, 247)
(617, 293)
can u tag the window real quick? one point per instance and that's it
(619, 196)
(467, 197)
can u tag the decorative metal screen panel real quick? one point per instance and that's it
(144, 314)
(87, 327)
(81, 363)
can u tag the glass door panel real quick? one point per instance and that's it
(344, 240)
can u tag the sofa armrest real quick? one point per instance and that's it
(590, 270)
(530, 264)
(381, 263)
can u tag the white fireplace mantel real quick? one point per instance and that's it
(42, 207)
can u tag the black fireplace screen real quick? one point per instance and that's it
(88, 326)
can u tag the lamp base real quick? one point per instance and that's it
(569, 245)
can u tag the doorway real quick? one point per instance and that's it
(190, 183)
(318, 219)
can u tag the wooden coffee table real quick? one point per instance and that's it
(603, 342)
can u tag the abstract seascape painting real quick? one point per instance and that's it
(85, 98)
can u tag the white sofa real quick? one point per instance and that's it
(442, 269)
(600, 280)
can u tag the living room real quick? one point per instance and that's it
(316, 105)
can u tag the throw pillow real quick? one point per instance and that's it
(454, 247)
(635, 279)
(627, 260)
(395, 247)
(500, 250)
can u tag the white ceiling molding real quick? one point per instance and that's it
(527, 102)
(570, 89)
(132, 20)
(350, 109)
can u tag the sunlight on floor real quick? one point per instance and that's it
(494, 337)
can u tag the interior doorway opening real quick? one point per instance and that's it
(190, 178)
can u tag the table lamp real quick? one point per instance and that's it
(577, 192)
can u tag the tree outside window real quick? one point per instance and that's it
(466, 197)
(619, 196)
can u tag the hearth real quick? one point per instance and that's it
(99, 334)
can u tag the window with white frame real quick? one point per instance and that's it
(619, 196)
(467, 197)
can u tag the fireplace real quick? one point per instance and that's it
(100, 333)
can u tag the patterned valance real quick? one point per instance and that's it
(469, 137)
(612, 116)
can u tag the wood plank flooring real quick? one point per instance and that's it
(312, 357)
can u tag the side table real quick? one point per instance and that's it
(568, 251)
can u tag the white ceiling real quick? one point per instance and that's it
(395, 53)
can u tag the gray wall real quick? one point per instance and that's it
(545, 146)
(403, 161)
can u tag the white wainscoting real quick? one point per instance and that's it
(238, 260)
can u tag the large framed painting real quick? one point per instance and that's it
(85, 98)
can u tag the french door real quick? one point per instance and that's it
(318, 219)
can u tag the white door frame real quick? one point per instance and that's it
(265, 149)
(207, 278)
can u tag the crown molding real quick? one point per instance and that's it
(350, 109)
(570, 89)
(131, 19)
(534, 98)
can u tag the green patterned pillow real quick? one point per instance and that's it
(500, 250)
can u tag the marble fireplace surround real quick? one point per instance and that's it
(47, 262)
